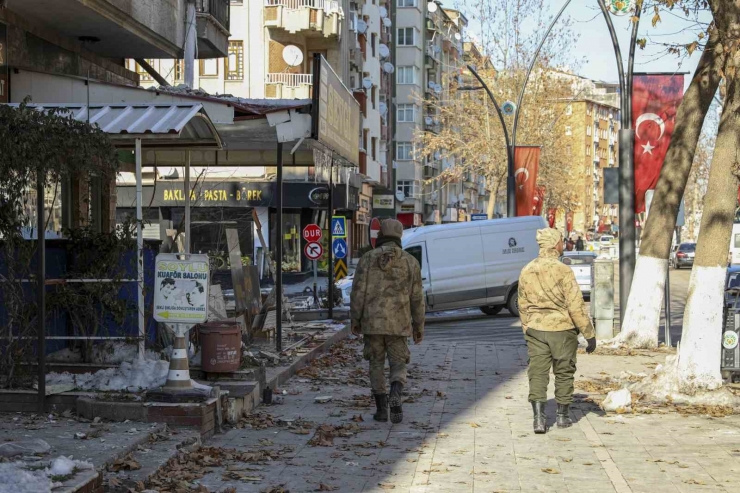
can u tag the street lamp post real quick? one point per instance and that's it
(511, 141)
(627, 233)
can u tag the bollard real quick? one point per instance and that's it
(602, 297)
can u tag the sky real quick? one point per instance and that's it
(594, 45)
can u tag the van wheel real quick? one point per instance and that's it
(513, 303)
(492, 309)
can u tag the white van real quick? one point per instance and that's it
(474, 264)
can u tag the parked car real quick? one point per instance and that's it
(345, 285)
(684, 255)
(582, 263)
(606, 240)
(730, 359)
(672, 255)
(474, 264)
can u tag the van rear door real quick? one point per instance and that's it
(419, 252)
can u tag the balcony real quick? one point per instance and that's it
(288, 86)
(212, 27)
(319, 17)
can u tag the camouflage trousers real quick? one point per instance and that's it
(396, 348)
(551, 349)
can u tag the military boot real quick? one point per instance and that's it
(563, 416)
(395, 402)
(381, 402)
(540, 419)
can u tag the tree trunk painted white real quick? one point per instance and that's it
(642, 313)
(642, 319)
(700, 351)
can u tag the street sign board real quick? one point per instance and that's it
(181, 288)
(339, 248)
(339, 227)
(340, 270)
(478, 217)
(313, 251)
(312, 233)
(374, 231)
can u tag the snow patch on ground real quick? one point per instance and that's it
(135, 376)
(24, 477)
(109, 352)
(642, 318)
(618, 401)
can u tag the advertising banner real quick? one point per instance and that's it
(526, 165)
(181, 288)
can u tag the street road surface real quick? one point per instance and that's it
(503, 328)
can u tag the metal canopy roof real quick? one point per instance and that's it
(178, 126)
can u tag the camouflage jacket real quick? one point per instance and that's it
(387, 295)
(549, 297)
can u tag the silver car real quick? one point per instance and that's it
(581, 263)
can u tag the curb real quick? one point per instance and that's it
(286, 373)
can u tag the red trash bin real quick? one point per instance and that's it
(220, 345)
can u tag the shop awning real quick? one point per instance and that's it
(160, 126)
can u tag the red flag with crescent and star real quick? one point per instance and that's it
(526, 165)
(551, 215)
(538, 200)
(655, 101)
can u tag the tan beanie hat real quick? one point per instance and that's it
(547, 238)
(390, 228)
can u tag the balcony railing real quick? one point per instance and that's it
(328, 6)
(218, 9)
(291, 80)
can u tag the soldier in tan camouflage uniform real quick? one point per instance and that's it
(387, 307)
(553, 313)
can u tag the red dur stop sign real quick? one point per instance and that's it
(374, 230)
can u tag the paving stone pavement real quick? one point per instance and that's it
(469, 429)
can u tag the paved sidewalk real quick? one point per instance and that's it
(468, 427)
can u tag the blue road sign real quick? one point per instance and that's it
(339, 227)
(478, 217)
(339, 248)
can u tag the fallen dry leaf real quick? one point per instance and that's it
(562, 439)
(693, 481)
(126, 463)
(550, 470)
(566, 459)
(475, 425)
(358, 418)
(326, 487)
(387, 486)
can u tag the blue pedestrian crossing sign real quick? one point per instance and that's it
(339, 227)
(339, 248)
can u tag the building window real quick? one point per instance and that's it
(374, 148)
(588, 109)
(406, 75)
(568, 130)
(179, 70)
(143, 74)
(209, 67)
(374, 95)
(407, 187)
(235, 61)
(406, 36)
(373, 43)
(406, 113)
(404, 151)
(407, 3)
(588, 130)
(588, 150)
(569, 109)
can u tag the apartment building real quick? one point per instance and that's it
(591, 131)
(429, 55)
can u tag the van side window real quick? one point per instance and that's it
(415, 251)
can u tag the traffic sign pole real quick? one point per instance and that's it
(330, 267)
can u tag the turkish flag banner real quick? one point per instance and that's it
(655, 101)
(538, 200)
(551, 215)
(569, 222)
(526, 165)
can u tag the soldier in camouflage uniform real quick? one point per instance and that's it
(553, 313)
(387, 307)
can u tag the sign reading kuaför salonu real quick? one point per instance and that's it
(181, 288)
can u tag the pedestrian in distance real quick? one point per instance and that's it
(387, 307)
(579, 244)
(552, 312)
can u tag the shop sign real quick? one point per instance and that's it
(319, 196)
(181, 288)
(3, 63)
(408, 208)
(336, 113)
(383, 202)
(461, 215)
(360, 218)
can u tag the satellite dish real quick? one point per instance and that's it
(508, 108)
(432, 7)
(292, 55)
(361, 26)
(400, 196)
(367, 83)
(384, 50)
(382, 108)
(437, 155)
(388, 68)
(432, 84)
(438, 88)
(428, 120)
(387, 22)
(383, 12)
(458, 37)
(437, 49)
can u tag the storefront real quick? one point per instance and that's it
(217, 206)
(409, 219)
